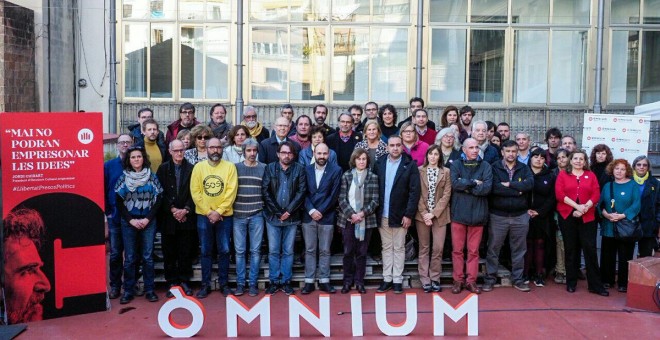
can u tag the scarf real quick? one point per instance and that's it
(358, 181)
(640, 180)
(482, 149)
(313, 158)
(255, 131)
(135, 180)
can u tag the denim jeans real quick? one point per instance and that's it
(116, 252)
(143, 240)
(220, 232)
(254, 226)
(280, 252)
(318, 238)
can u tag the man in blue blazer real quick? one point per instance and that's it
(323, 180)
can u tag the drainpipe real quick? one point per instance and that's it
(239, 63)
(599, 56)
(418, 63)
(112, 118)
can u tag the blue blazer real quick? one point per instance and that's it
(324, 198)
(305, 157)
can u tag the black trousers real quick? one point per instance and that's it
(355, 255)
(177, 255)
(610, 248)
(577, 233)
(646, 246)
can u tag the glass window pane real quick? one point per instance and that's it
(530, 69)
(530, 11)
(389, 64)
(447, 73)
(486, 66)
(625, 12)
(217, 62)
(218, 9)
(571, 12)
(136, 41)
(650, 82)
(350, 64)
(270, 62)
(192, 62)
(623, 74)
(568, 70)
(136, 9)
(163, 9)
(311, 10)
(652, 11)
(191, 9)
(489, 11)
(160, 75)
(308, 64)
(268, 10)
(391, 11)
(351, 10)
(448, 11)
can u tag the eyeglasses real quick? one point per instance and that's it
(449, 137)
(407, 131)
(124, 142)
(188, 112)
(177, 151)
(250, 117)
(642, 165)
(203, 137)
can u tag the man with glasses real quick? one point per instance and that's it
(371, 111)
(283, 190)
(177, 220)
(256, 129)
(186, 121)
(213, 187)
(268, 147)
(112, 170)
(344, 140)
(287, 112)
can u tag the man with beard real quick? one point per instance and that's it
(344, 140)
(320, 114)
(415, 104)
(156, 151)
(283, 190)
(218, 123)
(25, 284)
(467, 113)
(302, 137)
(135, 130)
(112, 170)
(553, 139)
(213, 187)
(248, 217)
(323, 181)
(504, 130)
(186, 121)
(250, 121)
(356, 112)
(177, 219)
(268, 147)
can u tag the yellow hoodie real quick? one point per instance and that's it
(214, 187)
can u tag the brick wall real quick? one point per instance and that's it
(17, 58)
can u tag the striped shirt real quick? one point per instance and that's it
(248, 200)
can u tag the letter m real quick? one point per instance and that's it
(236, 309)
(469, 306)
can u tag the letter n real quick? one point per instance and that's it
(320, 321)
(403, 328)
(469, 306)
(236, 309)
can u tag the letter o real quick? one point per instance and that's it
(192, 305)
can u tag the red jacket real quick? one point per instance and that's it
(586, 189)
(174, 128)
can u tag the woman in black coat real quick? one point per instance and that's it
(542, 203)
(649, 215)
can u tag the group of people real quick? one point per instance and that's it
(463, 185)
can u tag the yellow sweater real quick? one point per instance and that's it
(214, 187)
(155, 157)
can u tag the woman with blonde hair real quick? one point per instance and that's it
(200, 135)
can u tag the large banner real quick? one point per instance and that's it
(53, 225)
(626, 135)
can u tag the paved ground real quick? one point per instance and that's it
(505, 313)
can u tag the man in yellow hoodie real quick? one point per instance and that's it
(213, 185)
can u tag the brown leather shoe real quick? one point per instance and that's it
(472, 288)
(457, 288)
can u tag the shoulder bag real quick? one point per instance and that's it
(625, 229)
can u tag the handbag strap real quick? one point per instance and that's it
(612, 196)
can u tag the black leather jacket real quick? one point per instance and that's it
(297, 189)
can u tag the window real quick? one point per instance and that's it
(486, 83)
(447, 65)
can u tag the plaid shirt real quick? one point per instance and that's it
(370, 200)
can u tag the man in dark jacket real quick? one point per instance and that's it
(471, 182)
(344, 140)
(177, 219)
(218, 122)
(269, 146)
(135, 130)
(512, 181)
(186, 121)
(283, 189)
(323, 180)
(400, 189)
